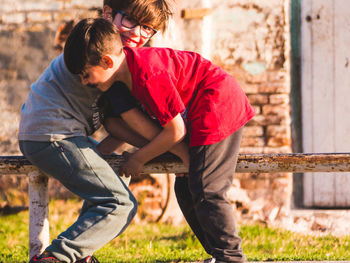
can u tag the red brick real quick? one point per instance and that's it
(277, 130)
(256, 79)
(250, 88)
(278, 141)
(252, 141)
(275, 109)
(279, 99)
(258, 99)
(253, 131)
(258, 120)
(274, 88)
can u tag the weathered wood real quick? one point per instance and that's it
(39, 233)
(195, 13)
(247, 163)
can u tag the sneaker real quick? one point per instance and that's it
(88, 260)
(45, 257)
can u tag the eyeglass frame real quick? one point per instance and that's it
(149, 35)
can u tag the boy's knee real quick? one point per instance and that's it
(130, 206)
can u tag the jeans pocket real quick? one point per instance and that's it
(49, 158)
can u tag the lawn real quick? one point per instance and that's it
(167, 243)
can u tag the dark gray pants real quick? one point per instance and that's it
(202, 198)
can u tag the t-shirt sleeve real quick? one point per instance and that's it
(160, 97)
(118, 99)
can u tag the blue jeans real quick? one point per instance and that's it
(109, 206)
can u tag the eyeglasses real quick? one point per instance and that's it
(130, 23)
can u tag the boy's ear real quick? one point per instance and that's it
(107, 13)
(107, 62)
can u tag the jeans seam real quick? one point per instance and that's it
(91, 169)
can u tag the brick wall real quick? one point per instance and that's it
(248, 38)
(27, 31)
(251, 42)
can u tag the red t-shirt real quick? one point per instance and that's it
(168, 82)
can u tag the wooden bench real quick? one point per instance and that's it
(247, 163)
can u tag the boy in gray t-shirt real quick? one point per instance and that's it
(56, 120)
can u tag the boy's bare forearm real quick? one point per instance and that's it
(119, 130)
(141, 123)
(149, 129)
(109, 145)
(171, 135)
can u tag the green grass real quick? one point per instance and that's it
(166, 243)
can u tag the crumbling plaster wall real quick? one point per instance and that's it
(252, 43)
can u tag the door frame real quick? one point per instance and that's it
(295, 96)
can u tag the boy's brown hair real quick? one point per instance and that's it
(155, 13)
(89, 41)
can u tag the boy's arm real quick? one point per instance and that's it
(143, 125)
(108, 145)
(171, 134)
(119, 132)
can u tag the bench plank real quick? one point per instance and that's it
(247, 163)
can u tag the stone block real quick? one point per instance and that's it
(257, 183)
(258, 99)
(274, 88)
(253, 131)
(83, 4)
(277, 76)
(250, 88)
(256, 79)
(277, 130)
(279, 99)
(279, 141)
(13, 18)
(257, 120)
(281, 119)
(39, 17)
(275, 109)
(257, 109)
(252, 141)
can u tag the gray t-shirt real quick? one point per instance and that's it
(59, 106)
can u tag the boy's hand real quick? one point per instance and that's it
(132, 166)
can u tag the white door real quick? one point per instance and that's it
(325, 53)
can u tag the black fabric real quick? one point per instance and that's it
(117, 100)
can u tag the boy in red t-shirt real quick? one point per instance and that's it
(186, 94)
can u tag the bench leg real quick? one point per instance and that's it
(39, 235)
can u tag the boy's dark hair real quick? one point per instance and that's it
(155, 13)
(89, 41)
